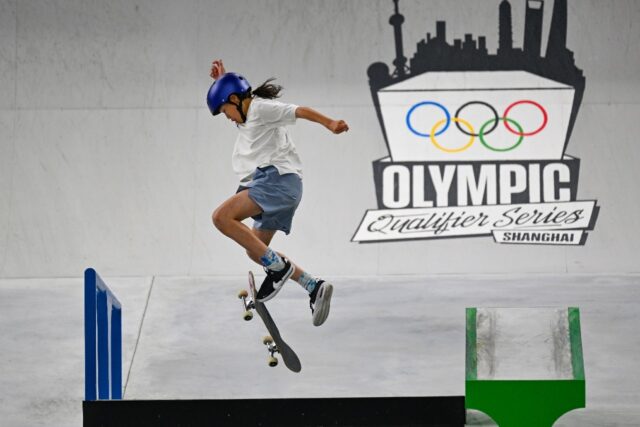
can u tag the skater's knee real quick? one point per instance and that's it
(220, 219)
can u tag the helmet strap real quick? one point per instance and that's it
(242, 114)
(239, 107)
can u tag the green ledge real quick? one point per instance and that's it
(522, 402)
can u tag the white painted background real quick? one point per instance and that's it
(109, 157)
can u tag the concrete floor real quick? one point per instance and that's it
(386, 336)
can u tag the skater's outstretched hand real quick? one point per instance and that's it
(335, 126)
(217, 69)
(338, 126)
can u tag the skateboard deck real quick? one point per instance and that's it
(276, 344)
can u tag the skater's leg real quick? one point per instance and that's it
(319, 291)
(228, 219)
(266, 236)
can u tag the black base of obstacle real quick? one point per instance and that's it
(354, 412)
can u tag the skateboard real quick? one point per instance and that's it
(274, 342)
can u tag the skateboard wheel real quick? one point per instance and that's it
(243, 294)
(273, 361)
(248, 315)
(267, 340)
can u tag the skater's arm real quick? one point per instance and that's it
(335, 126)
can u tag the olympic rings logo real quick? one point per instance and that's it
(485, 129)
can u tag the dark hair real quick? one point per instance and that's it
(268, 90)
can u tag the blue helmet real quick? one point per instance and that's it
(223, 88)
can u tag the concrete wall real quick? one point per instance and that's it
(109, 157)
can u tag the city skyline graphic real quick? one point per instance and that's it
(435, 53)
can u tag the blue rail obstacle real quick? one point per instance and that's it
(102, 340)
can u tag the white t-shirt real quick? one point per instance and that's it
(264, 141)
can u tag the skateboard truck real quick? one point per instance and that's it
(248, 306)
(272, 348)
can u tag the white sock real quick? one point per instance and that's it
(272, 260)
(308, 282)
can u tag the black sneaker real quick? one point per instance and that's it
(274, 281)
(320, 302)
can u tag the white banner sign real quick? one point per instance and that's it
(466, 221)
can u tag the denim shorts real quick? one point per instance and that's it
(277, 195)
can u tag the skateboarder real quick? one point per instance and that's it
(270, 172)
